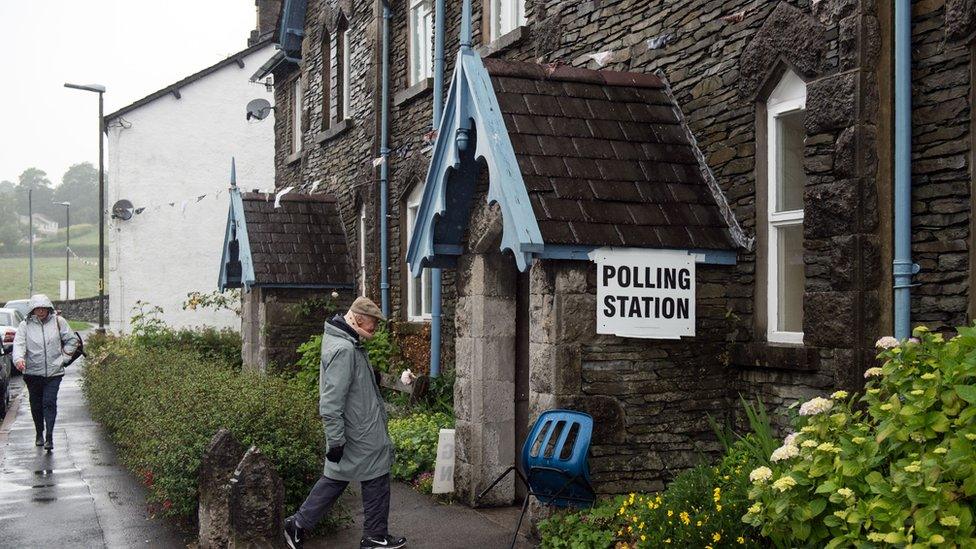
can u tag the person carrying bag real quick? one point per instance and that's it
(43, 346)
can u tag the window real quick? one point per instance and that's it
(505, 16)
(362, 250)
(296, 116)
(785, 180)
(342, 72)
(421, 34)
(418, 289)
(326, 80)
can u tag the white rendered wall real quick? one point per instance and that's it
(174, 150)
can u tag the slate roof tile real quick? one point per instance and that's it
(605, 158)
(300, 243)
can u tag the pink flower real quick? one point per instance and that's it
(407, 377)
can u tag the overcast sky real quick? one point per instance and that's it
(132, 47)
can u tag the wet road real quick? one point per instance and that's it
(76, 496)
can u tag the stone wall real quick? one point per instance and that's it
(941, 171)
(85, 309)
(277, 321)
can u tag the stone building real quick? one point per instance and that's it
(788, 111)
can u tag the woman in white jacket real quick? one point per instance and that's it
(44, 342)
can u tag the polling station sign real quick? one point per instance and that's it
(645, 293)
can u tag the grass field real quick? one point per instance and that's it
(81, 235)
(48, 271)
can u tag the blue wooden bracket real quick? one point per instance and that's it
(236, 227)
(471, 112)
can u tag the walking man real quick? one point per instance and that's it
(358, 443)
(43, 343)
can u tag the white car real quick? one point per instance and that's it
(9, 320)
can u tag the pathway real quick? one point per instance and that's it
(76, 496)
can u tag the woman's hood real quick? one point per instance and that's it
(40, 300)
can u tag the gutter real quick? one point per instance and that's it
(435, 274)
(384, 163)
(903, 268)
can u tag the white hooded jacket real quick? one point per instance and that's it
(44, 346)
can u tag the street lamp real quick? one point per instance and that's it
(67, 247)
(100, 90)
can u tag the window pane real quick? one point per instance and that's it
(425, 284)
(791, 279)
(296, 123)
(346, 72)
(790, 178)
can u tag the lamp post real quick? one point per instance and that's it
(67, 247)
(100, 90)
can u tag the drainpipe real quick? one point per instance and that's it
(435, 274)
(903, 268)
(384, 163)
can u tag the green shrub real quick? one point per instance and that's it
(309, 364)
(701, 507)
(415, 440)
(162, 409)
(895, 466)
(382, 350)
(152, 334)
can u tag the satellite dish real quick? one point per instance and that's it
(258, 108)
(122, 210)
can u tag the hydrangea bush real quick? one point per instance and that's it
(895, 465)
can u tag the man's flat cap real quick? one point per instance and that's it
(365, 306)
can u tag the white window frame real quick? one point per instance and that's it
(421, 55)
(788, 97)
(362, 250)
(421, 284)
(346, 46)
(296, 116)
(505, 16)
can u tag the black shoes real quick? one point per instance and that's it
(39, 440)
(382, 542)
(49, 445)
(294, 535)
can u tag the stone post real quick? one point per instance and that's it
(484, 392)
(218, 464)
(256, 499)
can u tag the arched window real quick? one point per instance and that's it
(362, 249)
(504, 16)
(342, 69)
(296, 115)
(785, 181)
(421, 36)
(418, 289)
(326, 80)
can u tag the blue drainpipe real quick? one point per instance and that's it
(384, 163)
(903, 267)
(435, 274)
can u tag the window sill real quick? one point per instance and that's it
(335, 131)
(776, 356)
(293, 157)
(419, 89)
(504, 42)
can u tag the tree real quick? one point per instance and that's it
(36, 180)
(79, 186)
(10, 228)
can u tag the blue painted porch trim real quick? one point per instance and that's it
(472, 112)
(306, 286)
(582, 253)
(236, 226)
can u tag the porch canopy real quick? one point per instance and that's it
(300, 244)
(577, 160)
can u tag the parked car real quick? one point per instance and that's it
(9, 320)
(22, 305)
(6, 366)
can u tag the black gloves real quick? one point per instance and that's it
(335, 454)
(379, 378)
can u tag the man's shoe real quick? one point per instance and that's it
(382, 542)
(39, 440)
(49, 444)
(294, 535)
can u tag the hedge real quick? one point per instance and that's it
(162, 406)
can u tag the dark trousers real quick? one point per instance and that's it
(43, 392)
(376, 504)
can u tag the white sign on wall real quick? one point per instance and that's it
(69, 292)
(645, 293)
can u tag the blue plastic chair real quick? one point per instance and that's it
(553, 463)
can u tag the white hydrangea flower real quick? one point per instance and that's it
(786, 451)
(790, 440)
(760, 475)
(816, 405)
(839, 395)
(873, 372)
(886, 342)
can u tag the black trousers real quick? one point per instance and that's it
(376, 504)
(43, 393)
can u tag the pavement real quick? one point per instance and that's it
(78, 495)
(428, 524)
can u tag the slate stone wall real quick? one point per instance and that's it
(941, 158)
(85, 308)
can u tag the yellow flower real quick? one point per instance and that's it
(858, 440)
(940, 450)
(949, 520)
(784, 483)
(741, 540)
(886, 406)
(846, 492)
(685, 518)
(718, 507)
(809, 444)
(913, 468)
(936, 539)
(839, 395)
(918, 392)
(670, 513)
(755, 508)
(929, 375)
(970, 436)
(643, 537)
(716, 536)
(699, 524)
(875, 536)
(828, 447)
(667, 540)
